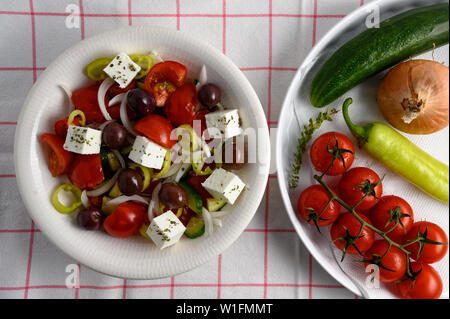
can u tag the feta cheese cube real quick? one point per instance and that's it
(122, 69)
(224, 185)
(226, 121)
(83, 140)
(166, 230)
(147, 153)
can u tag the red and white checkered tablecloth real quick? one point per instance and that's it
(279, 34)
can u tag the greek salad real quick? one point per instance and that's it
(147, 150)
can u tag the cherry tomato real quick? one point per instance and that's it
(85, 99)
(431, 253)
(125, 220)
(182, 104)
(391, 262)
(391, 210)
(171, 74)
(427, 283)
(356, 183)
(156, 128)
(114, 112)
(115, 89)
(347, 229)
(86, 171)
(200, 126)
(61, 126)
(311, 203)
(59, 158)
(324, 149)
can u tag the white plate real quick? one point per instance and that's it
(297, 110)
(134, 257)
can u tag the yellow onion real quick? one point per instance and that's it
(414, 97)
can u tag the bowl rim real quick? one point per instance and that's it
(23, 133)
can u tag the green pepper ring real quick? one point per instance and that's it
(62, 208)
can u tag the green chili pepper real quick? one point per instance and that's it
(401, 156)
(62, 208)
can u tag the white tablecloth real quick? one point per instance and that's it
(267, 39)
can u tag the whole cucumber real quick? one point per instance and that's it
(376, 49)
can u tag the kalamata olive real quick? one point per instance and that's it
(140, 101)
(130, 182)
(172, 196)
(209, 95)
(90, 218)
(114, 135)
(233, 155)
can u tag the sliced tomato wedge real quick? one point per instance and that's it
(85, 99)
(196, 182)
(200, 127)
(115, 89)
(125, 220)
(59, 158)
(182, 105)
(86, 171)
(163, 78)
(156, 128)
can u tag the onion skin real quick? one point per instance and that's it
(420, 86)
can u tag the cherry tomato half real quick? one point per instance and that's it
(196, 182)
(356, 183)
(85, 99)
(431, 253)
(59, 158)
(427, 283)
(324, 149)
(391, 263)
(311, 203)
(86, 171)
(125, 220)
(156, 128)
(387, 212)
(348, 227)
(115, 89)
(171, 74)
(61, 126)
(182, 104)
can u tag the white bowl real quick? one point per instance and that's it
(295, 113)
(133, 257)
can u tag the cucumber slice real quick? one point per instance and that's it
(195, 228)
(214, 204)
(194, 201)
(115, 191)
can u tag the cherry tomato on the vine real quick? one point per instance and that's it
(389, 211)
(347, 235)
(356, 183)
(312, 201)
(391, 262)
(325, 151)
(431, 252)
(427, 283)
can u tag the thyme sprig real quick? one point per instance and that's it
(306, 136)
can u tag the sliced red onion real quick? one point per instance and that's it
(156, 57)
(124, 117)
(220, 107)
(208, 222)
(202, 78)
(119, 158)
(105, 187)
(117, 99)
(153, 206)
(123, 198)
(218, 214)
(85, 199)
(106, 84)
(173, 170)
(217, 222)
(68, 92)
